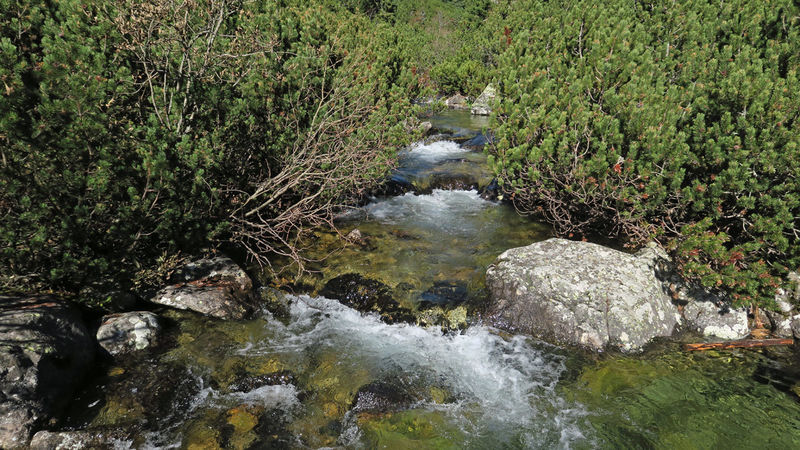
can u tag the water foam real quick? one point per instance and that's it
(436, 150)
(504, 387)
(449, 210)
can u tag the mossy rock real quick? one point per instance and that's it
(411, 429)
(366, 295)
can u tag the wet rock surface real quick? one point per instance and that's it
(128, 332)
(366, 295)
(396, 394)
(45, 350)
(142, 394)
(450, 182)
(248, 383)
(381, 397)
(581, 294)
(215, 287)
(72, 440)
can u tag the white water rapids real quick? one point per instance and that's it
(504, 389)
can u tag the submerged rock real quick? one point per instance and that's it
(580, 293)
(247, 383)
(396, 394)
(446, 293)
(127, 332)
(215, 287)
(711, 320)
(483, 104)
(366, 295)
(382, 397)
(275, 301)
(45, 350)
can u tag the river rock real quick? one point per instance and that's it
(712, 320)
(127, 332)
(483, 104)
(247, 383)
(796, 327)
(457, 101)
(393, 186)
(477, 142)
(366, 295)
(73, 440)
(425, 128)
(45, 350)
(781, 323)
(580, 293)
(445, 293)
(449, 181)
(215, 287)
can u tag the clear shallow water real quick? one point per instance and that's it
(476, 389)
(300, 380)
(470, 390)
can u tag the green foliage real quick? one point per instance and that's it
(131, 129)
(445, 41)
(675, 121)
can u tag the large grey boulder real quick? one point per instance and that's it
(128, 332)
(483, 104)
(582, 294)
(215, 287)
(45, 350)
(715, 321)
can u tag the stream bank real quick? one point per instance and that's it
(310, 372)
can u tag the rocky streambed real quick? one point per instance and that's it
(400, 339)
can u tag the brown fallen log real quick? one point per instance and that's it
(745, 343)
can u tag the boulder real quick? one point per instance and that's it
(425, 127)
(127, 332)
(457, 101)
(780, 323)
(45, 350)
(215, 287)
(483, 104)
(785, 298)
(713, 320)
(366, 295)
(581, 294)
(449, 181)
(796, 326)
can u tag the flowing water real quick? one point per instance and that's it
(319, 374)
